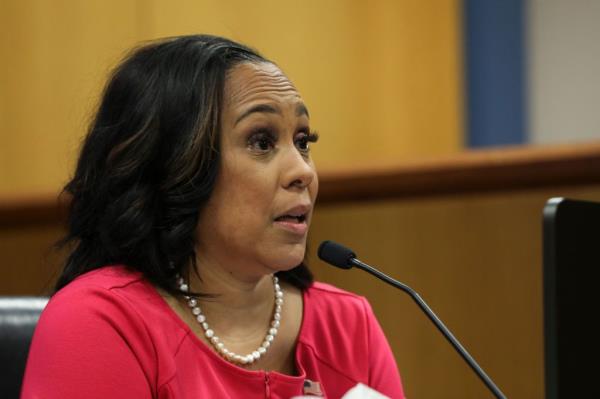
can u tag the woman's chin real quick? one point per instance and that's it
(289, 264)
(288, 260)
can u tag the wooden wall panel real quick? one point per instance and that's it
(476, 259)
(28, 263)
(55, 55)
(382, 81)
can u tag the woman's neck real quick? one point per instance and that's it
(240, 305)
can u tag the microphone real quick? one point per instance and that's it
(338, 255)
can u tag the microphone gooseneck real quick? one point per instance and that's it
(340, 256)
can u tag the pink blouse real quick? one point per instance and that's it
(109, 334)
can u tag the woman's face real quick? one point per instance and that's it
(257, 218)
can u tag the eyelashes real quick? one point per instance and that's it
(305, 139)
(264, 140)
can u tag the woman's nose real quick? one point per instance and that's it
(298, 170)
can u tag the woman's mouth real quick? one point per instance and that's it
(292, 218)
(293, 222)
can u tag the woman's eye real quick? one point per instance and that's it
(303, 140)
(261, 142)
(302, 143)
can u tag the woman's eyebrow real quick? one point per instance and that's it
(302, 110)
(263, 108)
(269, 109)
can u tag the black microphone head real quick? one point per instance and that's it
(336, 254)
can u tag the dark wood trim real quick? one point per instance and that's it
(478, 171)
(32, 210)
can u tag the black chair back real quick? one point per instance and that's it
(18, 317)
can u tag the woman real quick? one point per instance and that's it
(190, 208)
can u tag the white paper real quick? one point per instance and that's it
(361, 391)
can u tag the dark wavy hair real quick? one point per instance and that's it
(150, 160)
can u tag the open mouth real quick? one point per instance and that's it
(291, 218)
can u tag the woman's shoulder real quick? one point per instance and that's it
(108, 322)
(332, 311)
(337, 329)
(104, 278)
(95, 295)
(105, 295)
(112, 283)
(335, 299)
(343, 339)
(331, 289)
(113, 305)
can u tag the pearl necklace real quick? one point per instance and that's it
(216, 341)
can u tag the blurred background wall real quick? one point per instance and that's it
(531, 71)
(382, 79)
(389, 83)
(562, 77)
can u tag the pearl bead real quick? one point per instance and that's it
(209, 333)
(275, 323)
(279, 294)
(266, 344)
(214, 339)
(279, 301)
(277, 287)
(273, 331)
(278, 308)
(205, 325)
(192, 303)
(275, 279)
(196, 311)
(277, 316)
(269, 338)
(262, 350)
(255, 355)
(200, 318)
(184, 287)
(221, 346)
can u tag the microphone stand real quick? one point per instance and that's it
(438, 323)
